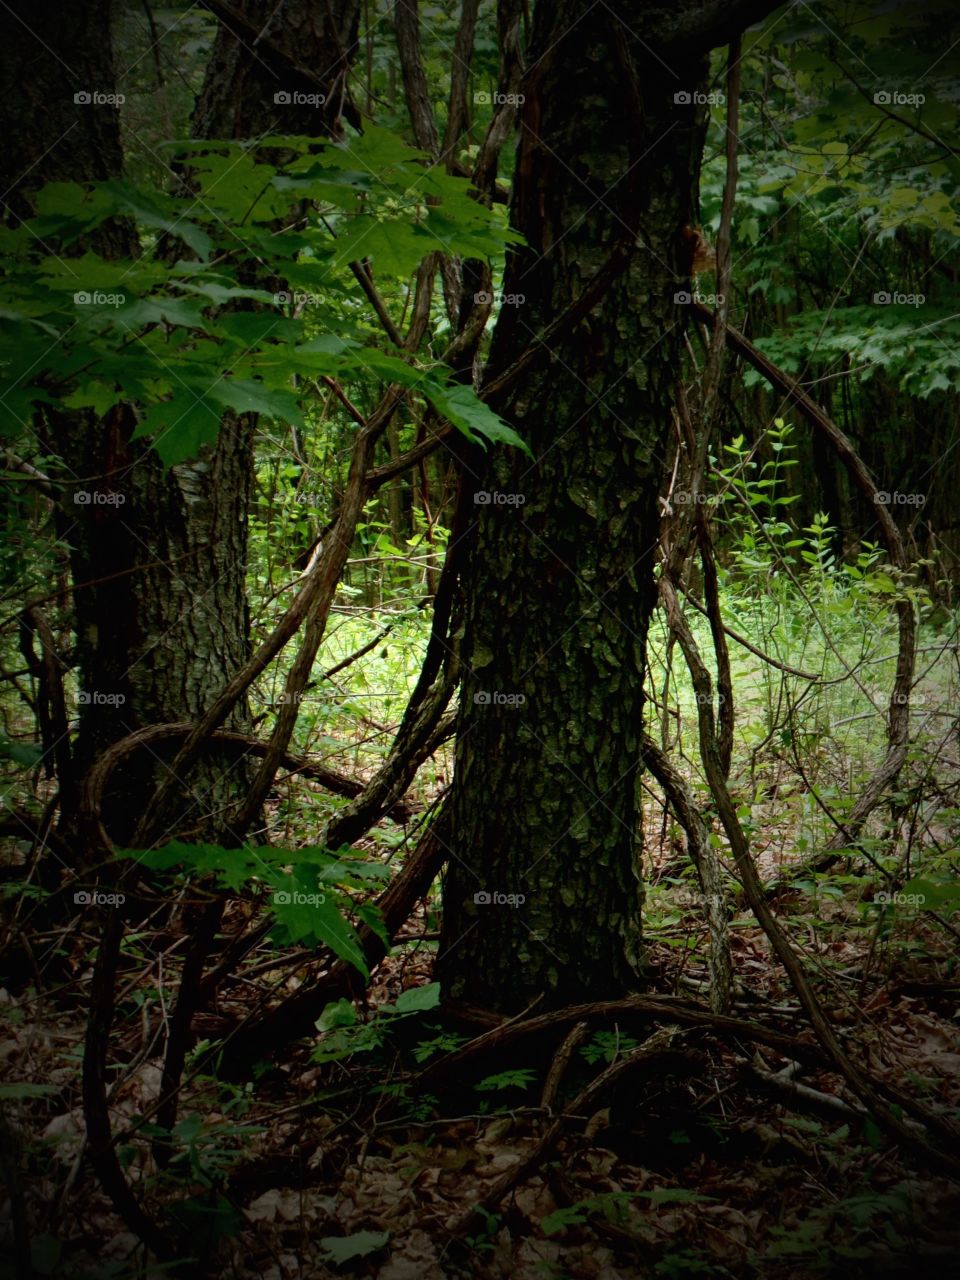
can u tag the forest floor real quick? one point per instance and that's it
(408, 1140)
(705, 1163)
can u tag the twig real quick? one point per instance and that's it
(899, 707)
(558, 1067)
(655, 1046)
(708, 869)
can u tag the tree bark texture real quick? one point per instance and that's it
(559, 578)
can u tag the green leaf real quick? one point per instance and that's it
(323, 922)
(221, 293)
(159, 214)
(156, 310)
(14, 316)
(369, 913)
(872, 1134)
(180, 426)
(340, 1013)
(98, 396)
(28, 754)
(934, 894)
(460, 405)
(252, 328)
(418, 999)
(518, 1078)
(340, 1249)
(396, 248)
(560, 1219)
(26, 1090)
(253, 397)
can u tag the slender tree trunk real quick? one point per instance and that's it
(559, 580)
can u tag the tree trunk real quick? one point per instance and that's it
(293, 81)
(559, 579)
(167, 620)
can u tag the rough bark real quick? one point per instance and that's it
(560, 589)
(415, 87)
(299, 50)
(49, 53)
(153, 644)
(162, 636)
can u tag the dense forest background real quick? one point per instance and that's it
(480, 644)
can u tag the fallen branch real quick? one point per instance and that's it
(574, 1037)
(140, 739)
(805, 1098)
(668, 1009)
(660, 1008)
(656, 1046)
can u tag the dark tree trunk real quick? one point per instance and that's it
(268, 72)
(50, 52)
(158, 637)
(560, 588)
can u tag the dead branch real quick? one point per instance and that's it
(899, 707)
(574, 1037)
(707, 865)
(942, 1157)
(661, 1042)
(657, 1008)
(151, 736)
